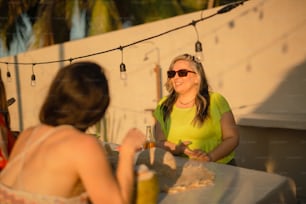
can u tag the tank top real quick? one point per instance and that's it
(9, 195)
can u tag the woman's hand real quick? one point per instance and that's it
(134, 140)
(197, 154)
(181, 147)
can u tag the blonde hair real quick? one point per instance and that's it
(202, 98)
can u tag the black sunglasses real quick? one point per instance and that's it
(181, 73)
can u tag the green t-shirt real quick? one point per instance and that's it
(180, 128)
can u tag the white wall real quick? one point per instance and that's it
(249, 53)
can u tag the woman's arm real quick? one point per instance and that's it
(230, 137)
(162, 142)
(133, 142)
(96, 174)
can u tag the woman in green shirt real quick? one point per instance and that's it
(191, 120)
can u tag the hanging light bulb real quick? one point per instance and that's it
(198, 44)
(33, 77)
(199, 50)
(123, 74)
(33, 80)
(8, 74)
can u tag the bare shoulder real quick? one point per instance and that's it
(22, 139)
(84, 151)
(80, 139)
(74, 149)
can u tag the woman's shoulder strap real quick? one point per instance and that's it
(29, 146)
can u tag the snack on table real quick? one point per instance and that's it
(175, 174)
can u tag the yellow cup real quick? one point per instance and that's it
(147, 186)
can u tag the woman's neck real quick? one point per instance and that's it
(185, 101)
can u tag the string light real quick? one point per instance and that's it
(198, 44)
(8, 73)
(123, 75)
(33, 77)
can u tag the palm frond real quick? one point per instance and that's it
(104, 17)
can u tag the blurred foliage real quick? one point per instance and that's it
(51, 20)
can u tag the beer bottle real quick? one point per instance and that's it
(150, 138)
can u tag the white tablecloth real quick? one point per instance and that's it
(237, 185)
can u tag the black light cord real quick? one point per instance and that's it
(225, 9)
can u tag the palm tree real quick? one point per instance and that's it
(31, 24)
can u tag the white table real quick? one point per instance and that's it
(237, 185)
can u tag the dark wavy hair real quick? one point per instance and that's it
(78, 96)
(202, 100)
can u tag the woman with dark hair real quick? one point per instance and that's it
(193, 121)
(56, 161)
(7, 139)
